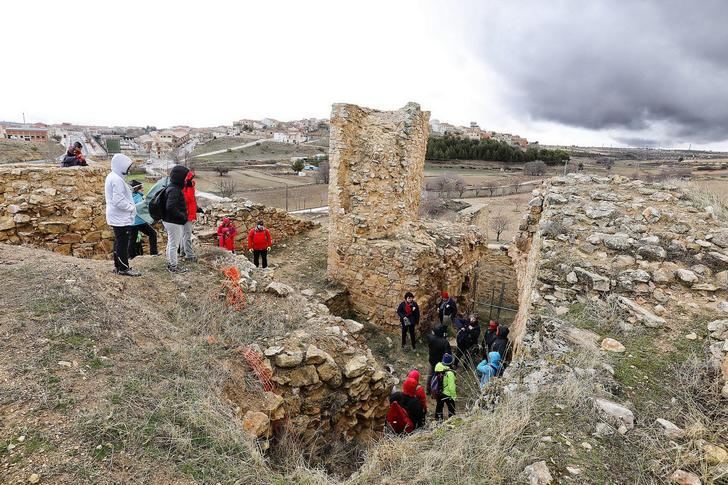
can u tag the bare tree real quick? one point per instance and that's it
(490, 185)
(227, 188)
(431, 204)
(322, 176)
(499, 224)
(537, 167)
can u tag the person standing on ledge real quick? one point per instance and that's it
(259, 243)
(409, 317)
(120, 212)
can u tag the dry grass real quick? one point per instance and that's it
(702, 196)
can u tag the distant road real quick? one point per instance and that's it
(217, 152)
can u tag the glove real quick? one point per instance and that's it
(250, 250)
(268, 248)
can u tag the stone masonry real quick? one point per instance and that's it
(63, 210)
(378, 247)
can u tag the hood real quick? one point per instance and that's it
(441, 367)
(120, 163)
(503, 332)
(188, 178)
(177, 175)
(439, 331)
(415, 374)
(409, 387)
(494, 359)
(396, 396)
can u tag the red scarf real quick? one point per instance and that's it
(407, 309)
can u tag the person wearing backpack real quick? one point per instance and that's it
(488, 368)
(259, 243)
(443, 387)
(438, 346)
(409, 317)
(120, 212)
(140, 225)
(412, 388)
(175, 215)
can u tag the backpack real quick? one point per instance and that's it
(437, 385)
(158, 204)
(398, 419)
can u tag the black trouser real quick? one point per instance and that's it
(441, 404)
(411, 329)
(260, 254)
(121, 247)
(136, 249)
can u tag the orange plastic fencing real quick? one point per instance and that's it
(259, 369)
(234, 295)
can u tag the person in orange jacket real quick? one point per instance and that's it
(226, 234)
(259, 243)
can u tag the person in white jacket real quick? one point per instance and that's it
(120, 212)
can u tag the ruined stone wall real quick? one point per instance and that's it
(61, 210)
(661, 258)
(495, 272)
(64, 210)
(377, 246)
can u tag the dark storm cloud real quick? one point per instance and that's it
(656, 66)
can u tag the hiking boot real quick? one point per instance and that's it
(175, 269)
(129, 272)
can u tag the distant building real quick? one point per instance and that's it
(290, 136)
(27, 133)
(159, 143)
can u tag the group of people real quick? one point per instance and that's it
(172, 200)
(408, 407)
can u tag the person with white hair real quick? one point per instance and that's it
(120, 212)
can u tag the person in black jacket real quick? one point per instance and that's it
(175, 215)
(409, 318)
(490, 334)
(467, 338)
(412, 405)
(438, 346)
(74, 156)
(503, 346)
(448, 309)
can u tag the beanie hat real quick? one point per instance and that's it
(445, 294)
(447, 359)
(492, 325)
(409, 387)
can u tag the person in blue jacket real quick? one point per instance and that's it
(140, 225)
(488, 368)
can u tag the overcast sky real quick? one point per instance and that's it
(631, 72)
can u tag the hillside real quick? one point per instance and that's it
(13, 151)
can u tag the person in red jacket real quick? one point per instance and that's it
(412, 387)
(188, 191)
(259, 243)
(226, 234)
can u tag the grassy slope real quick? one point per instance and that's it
(13, 151)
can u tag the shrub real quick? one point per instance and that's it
(537, 167)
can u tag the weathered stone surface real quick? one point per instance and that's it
(289, 358)
(671, 430)
(356, 366)
(601, 211)
(330, 373)
(618, 242)
(720, 238)
(304, 376)
(256, 423)
(316, 356)
(652, 253)
(615, 412)
(612, 345)
(715, 455)
(593, 280)
(651, 215)
(686, 276)
(641, 313)
(278, 289)
(538, 473)
(681, 477)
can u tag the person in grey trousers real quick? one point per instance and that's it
(175, 215)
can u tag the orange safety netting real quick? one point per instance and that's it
(259, 369)
(234, 296)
